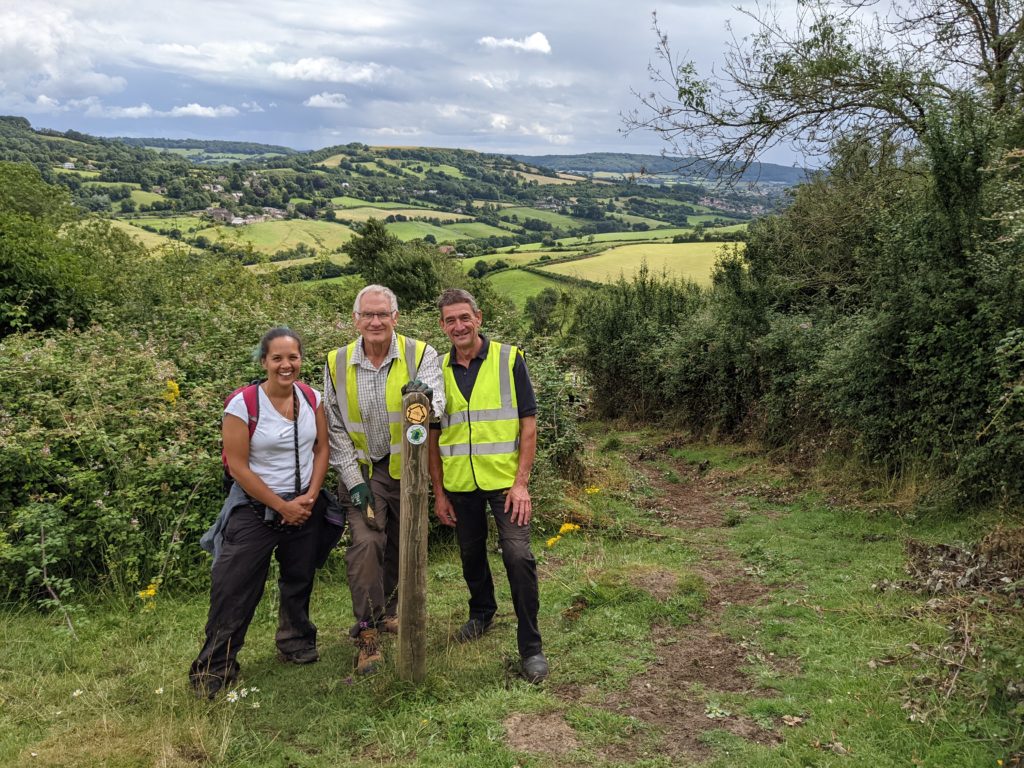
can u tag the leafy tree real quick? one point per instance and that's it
(839, 71)
(414, 271)
(55, 267)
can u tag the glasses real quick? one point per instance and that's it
(382, 316)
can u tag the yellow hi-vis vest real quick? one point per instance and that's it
(403, 370)
(480, 438)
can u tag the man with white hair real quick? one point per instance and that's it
(363, 387)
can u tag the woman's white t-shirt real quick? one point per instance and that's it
(272, 446)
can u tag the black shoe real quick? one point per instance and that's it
(206, 686)
(535, 668)
(302, 656)
(471, 630)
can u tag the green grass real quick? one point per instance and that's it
(82, 174)
(411, 230)
(476, 229)
(552, 217)
(509, 258)
(373, 212)
(139, 197)
(273, 236)
(518, 285)
(827, 647)
(336, 258)
(150, 240)
(693, 261)
(631, 219)
(407, 167)
(543, 180)
(100, 185)
(653, 235)
(167, 223)
(345, 201)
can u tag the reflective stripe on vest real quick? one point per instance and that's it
(479, 442)
(410, 355)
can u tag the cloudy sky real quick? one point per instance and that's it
(519, 76)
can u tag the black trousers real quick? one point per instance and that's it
(471, 528)
(239, 576)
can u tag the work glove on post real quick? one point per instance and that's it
(418, 386)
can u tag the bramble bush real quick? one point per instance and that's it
(110, 429)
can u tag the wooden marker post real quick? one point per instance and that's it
(412, 550)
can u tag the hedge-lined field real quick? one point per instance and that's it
(692, 261)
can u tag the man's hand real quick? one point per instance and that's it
(361, 497)
(444, 509)
(518, 500)
(418, 386)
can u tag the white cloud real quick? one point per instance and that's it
(39, 54)
(451, 111)
(45, 102)
(198, 110)
(535, 43)
(500, 122)
(403, 131)
(94, 108)
(252, 106)
(327, 100)
(327, 70)
(496, 81)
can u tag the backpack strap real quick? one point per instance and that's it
(308, 393)
(251, 396)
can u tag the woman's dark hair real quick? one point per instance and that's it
(277, 333)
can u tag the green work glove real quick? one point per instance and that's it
(418, 386)
(362, 498)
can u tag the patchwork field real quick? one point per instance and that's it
(409, 167)
(552, 217)
(139, 197)
(543, 180)
(411, 230)
(519, 285)
(340, 259)
(692, 261)
(167, 223)
(82, 174)
(273, 236)
(373, 212)
(509, 258)
(630, 218)
(476, 229)
(149, 240)
(346, 201)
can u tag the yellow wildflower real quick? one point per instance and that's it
(568, 528)
(552, 541)
(172, 392)
(591, 490)
(149, 591)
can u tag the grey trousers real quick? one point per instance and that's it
(372, 557)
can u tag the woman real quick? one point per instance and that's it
(278, 466)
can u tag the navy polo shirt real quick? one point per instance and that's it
(465, 377)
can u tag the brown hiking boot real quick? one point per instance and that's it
(390, 625)
(369, 652)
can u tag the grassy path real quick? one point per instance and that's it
(711, 609)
